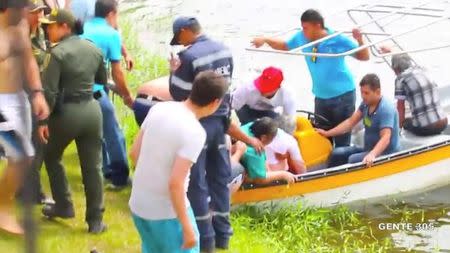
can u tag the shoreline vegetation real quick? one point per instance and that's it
(272, 229)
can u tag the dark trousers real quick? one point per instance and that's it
(81, 122)
(247, 114)
(209, 179)
(33, 176)
(336, 110)
(433, 129)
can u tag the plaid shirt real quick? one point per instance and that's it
(415, 86)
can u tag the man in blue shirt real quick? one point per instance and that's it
(333, 84)
(380, 120)
(100, 30)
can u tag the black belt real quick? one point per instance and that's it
(82, 97)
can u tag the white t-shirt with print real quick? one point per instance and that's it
(169, 130)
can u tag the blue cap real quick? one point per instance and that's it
(180, 23)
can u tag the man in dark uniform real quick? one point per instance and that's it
(210, 175)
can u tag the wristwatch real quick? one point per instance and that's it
(35, 91)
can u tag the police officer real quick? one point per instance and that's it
(214, 161)
(74, 66)
(41, 54)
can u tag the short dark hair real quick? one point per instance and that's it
(264, 126)
(313, 16)
(195, 27)
(207, 87)
(370, 80)
(5, 4)
(104, 7)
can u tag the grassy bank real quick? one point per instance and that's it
(290, 229)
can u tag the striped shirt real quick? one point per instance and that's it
(415, 86)
(203, 54)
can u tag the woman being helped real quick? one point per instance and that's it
(74, 66)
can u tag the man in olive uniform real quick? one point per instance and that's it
(40, 51)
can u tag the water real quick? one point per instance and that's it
(237, 22)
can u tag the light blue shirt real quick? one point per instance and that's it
(106, 38)
(331, 77)
(83, 9)
(384, 116)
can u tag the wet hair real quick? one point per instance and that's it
(104, 7)
(313, 16)
(287, 123)
(207, 87)
(264, 126)
(401, 62)
(370, 80)
(78, 27)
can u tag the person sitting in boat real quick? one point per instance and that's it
(265, 129)
(237, 150)
(380, 120)
(261, 97)
(414, 85)
(283, 153)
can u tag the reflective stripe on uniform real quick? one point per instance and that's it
(208, 59)
(221, 214)
(180, 83)
(204, 217)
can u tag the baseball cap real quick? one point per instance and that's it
(36, 5)
(180, 23)
(59, 16)
(270, 80)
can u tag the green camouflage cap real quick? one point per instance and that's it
(59, 16)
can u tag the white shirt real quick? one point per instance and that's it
(248, 94)
(283, 143)
(169, 130)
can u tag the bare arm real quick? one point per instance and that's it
(236, 133)
(119, 79)
(276, 176)
(274, 43)
(298, 167)
(136, 148)
(180, 171)
(383, 143)
(363, 54)
(401, 111)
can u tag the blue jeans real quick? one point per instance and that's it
(349, 154)
(336, 110)
(166, 236)
(115, 163)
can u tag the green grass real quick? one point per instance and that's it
(288, 229)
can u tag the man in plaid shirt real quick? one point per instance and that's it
(415, 86)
